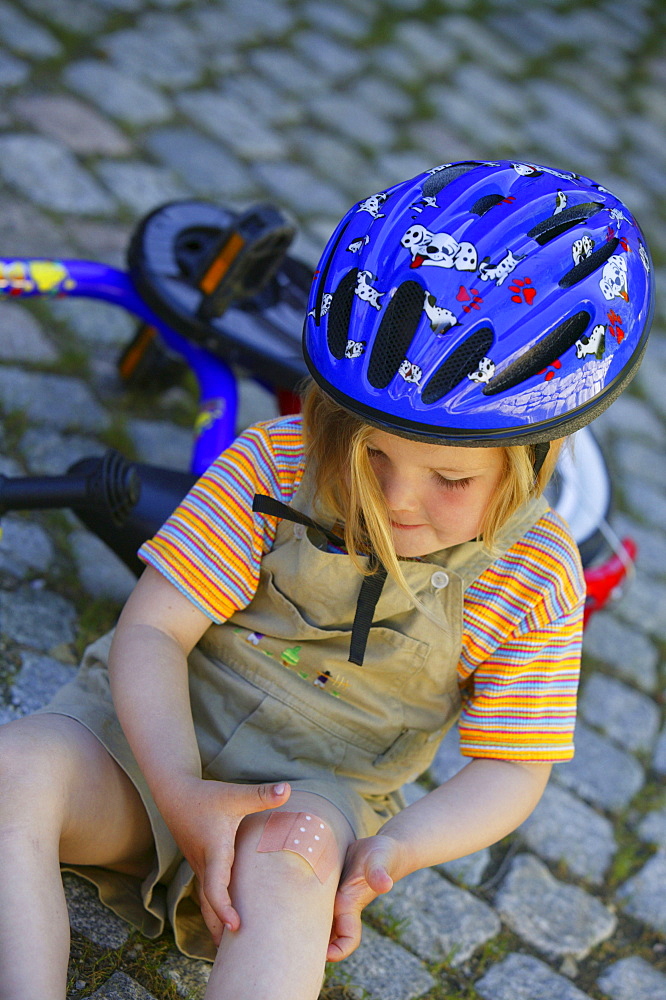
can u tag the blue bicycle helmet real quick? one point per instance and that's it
(481, 303)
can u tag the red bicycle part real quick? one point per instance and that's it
(603, 582)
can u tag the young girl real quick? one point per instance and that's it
(337, 590)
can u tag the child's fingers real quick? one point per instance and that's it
(215, 884)
(211, 919)
(345, 935)
(246, 799)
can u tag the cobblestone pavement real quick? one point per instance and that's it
(110, 107)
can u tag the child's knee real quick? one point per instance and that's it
(304, 834)
(307, 844)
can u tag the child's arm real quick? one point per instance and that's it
(477, 807)
(157, 629)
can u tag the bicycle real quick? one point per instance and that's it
(214, 291)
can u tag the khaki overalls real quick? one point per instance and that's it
(274, 696)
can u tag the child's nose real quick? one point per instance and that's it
(399, 492)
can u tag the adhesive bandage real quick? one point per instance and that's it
(301, 833)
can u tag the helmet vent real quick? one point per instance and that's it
(552, 227)
(484, 204)
(339, 315)
(464, 360)
(589, 264)
(319, 301)
(541, 355)
(439, 180)
(395, 334)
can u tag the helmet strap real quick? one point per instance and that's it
(540, 452)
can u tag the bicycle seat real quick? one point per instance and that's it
(224, 280)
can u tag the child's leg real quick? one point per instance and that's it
(286, 914)
(62, 797)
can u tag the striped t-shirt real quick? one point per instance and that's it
(522, 626)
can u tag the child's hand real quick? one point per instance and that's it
(204, 817)
(370, 867)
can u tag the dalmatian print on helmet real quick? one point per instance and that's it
(475, 289)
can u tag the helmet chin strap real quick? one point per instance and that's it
(540, 452)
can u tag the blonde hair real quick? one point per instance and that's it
(347, 490)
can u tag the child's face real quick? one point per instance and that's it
(436, 494)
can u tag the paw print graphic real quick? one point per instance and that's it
(471, 298)
(556, 365)
(523, 290)
(615, 325)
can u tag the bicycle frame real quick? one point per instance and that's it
(215, 426)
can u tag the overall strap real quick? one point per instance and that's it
(371, 585)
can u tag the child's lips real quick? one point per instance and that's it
(405, 527)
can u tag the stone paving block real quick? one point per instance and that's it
(628, 717)
(337, 20)
(465, 112)
(282, 68)
(643, 897)
(13, 71)
(121, 96)
(75, 15)
(337, 161)
(121, 987)
(335, 61)
(49, 174)
(556, 918)
(99, 569)
(340, 113)
(205, 165)
(159, 50)
(103, 241)
(478, 41)
(651, 558)
(161, 443)
(430, 51)
(381, 970)
(600, 772)
(89, 917)
(632, 979)
(382, 96)
(72, 123)
(234, 123)
(659, 758)
(28, 232)
(22, 337)
(396, 64)
(522, 977)
(37, 617)
(652, 828)
(24, 546)
(502, 96)
(270, 105)
(189, 975)
(97, 324)
(49, 453)
(141, 186)
(562, 828)
(60, 401)
(625, 649)
(468, 870)
(297, 187)
(633, 418)
(25, 36)
(647, 500)
(38, 680)
(636, 458)
(438, 921)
